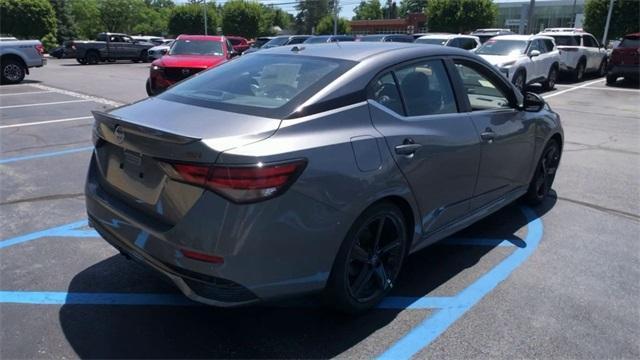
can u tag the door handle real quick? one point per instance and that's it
(488, 135)
(407, 149)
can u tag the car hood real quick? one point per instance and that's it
(498, 60)
(190, 61)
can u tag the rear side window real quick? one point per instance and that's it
(630, 42)
(589, 41)
(384, 91)
(567, 40)
(483, 92)
(261, 84)
(426, 89)
(549, 44)
(235, 41)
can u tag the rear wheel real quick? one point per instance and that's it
(92, 58)
(602, 70)
(12, 71)
(544, 174)
(369, 259)
(144, 56)
(82, 61)
(611, 79)
(579, 72)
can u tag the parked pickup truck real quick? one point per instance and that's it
(17, 56)
(111, 47)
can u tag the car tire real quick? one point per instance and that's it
(365, 268)
(544, 174)
(602, 70)
(92, 58)
(12, 71)
(81, 61)
(611, 79)
(149, 89)
(550, 82)
(144, 56)
(519, 80)
(578, 73)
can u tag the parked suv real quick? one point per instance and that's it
(524, 59)
(17, 56)
(188, 55)
(466, 42)
(486, 34)
(580, 52)
(625, 59)
(280, 41)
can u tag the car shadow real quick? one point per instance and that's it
(625, 84)
(297, 328)
(24, 82)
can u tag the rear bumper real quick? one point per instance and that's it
(624, 70)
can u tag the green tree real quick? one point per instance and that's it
(412, 6)
(120, 15)
(460, 15)
(86, 17)
(240, 17)
(390, 11)
(309, 14)
(64, 21)
(152, 21)
(325, 26)
(189, 19)
(27, 18)
(271, 16)
(624, 17)
(368, 10)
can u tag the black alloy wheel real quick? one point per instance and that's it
(369, 260)
(544, 174)
(12, 71)
(519, 80)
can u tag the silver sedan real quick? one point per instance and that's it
(315, 168)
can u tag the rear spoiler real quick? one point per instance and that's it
(106, 124)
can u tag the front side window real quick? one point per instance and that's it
(196, 47)
(589, 41)
(384, 91)
(483, 92)
(562, 40)
(502, 47)
(537, 45)
(261, 84)
(426, 89)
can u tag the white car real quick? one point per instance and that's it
(159, 51)
(466, 42)
(580, 52)
(524, 59)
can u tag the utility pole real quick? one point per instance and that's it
(573, 14)
(606, 26)
(532, 5)
(205, 16)
(335, 17)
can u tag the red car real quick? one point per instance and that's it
(188, 55)
(625, 59)
(239, 43)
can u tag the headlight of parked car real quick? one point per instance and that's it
(156, 68)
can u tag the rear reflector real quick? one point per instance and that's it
(243, 184)
(202, 256)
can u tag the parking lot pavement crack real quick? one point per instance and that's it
(43, 198)
(599, 147)
(44, 146)
(625, 214)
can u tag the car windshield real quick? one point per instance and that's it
(630, 42)
(262, 84)
(432, 41)
(279, 41)
(502, 47)
(372, 38)
(196, 47)
(567, 40)
(317, 40)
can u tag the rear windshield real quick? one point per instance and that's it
(630, 42)
(502, 47)
(567, 40)
(279, 41)
(432, 41)
(196, 47)
(259, 84)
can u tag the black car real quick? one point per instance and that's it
(280, 41)
(329, 38)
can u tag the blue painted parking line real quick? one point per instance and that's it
(432, 327)
(44, 155)
(68, 230)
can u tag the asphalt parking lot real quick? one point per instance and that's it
(557, 281)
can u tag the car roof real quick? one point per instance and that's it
(200, 37)
(563, 33)
(447, 36)
(358, 51)
(522, 37)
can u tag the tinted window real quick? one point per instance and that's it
(502, 47)
(426, 89)
(372, 38)
(279, 41)
(385, 92)
(630, 42)
(344, 38)
(465, 43)
(537, 45)
(317, 40)
(432, 41)
(567, 40)
(483, 92)
(297, 40)
(401, 39)
(196, 47)
(589, 41)
(262, 84)
(549, 44)
(235, 41)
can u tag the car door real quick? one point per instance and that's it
(129, 48)
(508, 139)
(436, 148)
(592, 49)
(537, 62)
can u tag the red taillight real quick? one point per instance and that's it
(242, 184)
(214, 259)
(39, 49)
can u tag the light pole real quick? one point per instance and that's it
(335, 17)
(205, 16)
(532, 5)
(606, 26)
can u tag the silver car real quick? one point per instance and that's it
(315, 168)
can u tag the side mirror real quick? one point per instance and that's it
(534, 53)
(533, 102)
(233, 54)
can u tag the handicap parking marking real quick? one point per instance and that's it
(45, 155)
(446, 309)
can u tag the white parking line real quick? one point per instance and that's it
(45, 104)
(95, 99)
(573, 88)
(45, 122)
(27, 93)
(613, 89)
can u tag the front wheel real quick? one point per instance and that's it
(611, 79)
(81, 61)
(519, 80)
(579, 72)
(544, 174)
(550, 83)
(149, 89)
(602, 70)
(12, 71)
(369, 259)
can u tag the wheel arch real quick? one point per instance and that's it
(408, 211)
(16, 57)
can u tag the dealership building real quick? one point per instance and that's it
(514, 14)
